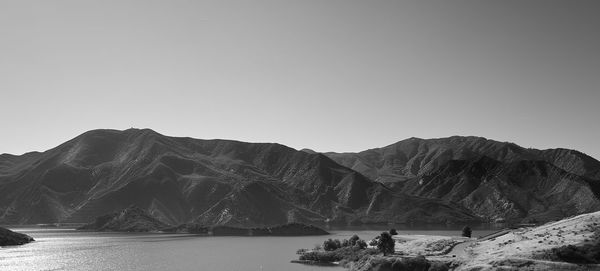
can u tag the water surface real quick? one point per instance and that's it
(68, 249)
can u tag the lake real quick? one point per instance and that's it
(68, 249)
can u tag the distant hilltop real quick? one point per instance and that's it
(223, 182)
(135, 219)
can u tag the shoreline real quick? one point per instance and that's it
(530, 247)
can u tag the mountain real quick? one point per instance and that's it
(223, 182)
(493, 180)
(210, 182)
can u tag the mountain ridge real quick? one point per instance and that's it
(228, 182)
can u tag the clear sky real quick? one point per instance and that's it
(327, 75)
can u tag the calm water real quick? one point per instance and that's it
(66, 249)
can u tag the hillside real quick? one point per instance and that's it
(568, 244)
(534, 248)
(224, 182)
(182, 180)
(497, 181)
(131, 219)
(11, 238)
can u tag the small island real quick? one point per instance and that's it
(290, 229)
(130, 219)
(11, 238)
(135, 219)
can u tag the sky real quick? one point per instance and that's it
(329, 75)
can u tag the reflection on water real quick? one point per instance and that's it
(66, 249)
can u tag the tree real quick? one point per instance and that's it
(338, 244)
(361, 244)
(354, 239)
(375, 241)
(466, 232)
(393, 232)
(330, 245)
(386, 243)
(345, 243)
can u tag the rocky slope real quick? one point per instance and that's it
(131, 219)
(190, 180)
(496, 181)
(11, 238)
(224, 182)
(527, 248)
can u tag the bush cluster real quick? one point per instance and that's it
(354, 241)
(331, 245)
(345, 254)
(386, 243)
(374, 241)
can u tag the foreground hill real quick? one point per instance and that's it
(547, 247)
(568, 244)
(210, 182)
(224, 182)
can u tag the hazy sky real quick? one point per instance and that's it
(327, 75)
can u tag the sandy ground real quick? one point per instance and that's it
(426, 245)
(508, 250)
(522, 245)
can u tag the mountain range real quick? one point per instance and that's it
(224, 182)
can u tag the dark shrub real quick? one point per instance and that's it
(585, 254)
(361, 244)
(393, 232)
(330, 245)
(345, 243)
(466, 231)
(374, 242)
(354, 239)
(338, 244)
(386, 243)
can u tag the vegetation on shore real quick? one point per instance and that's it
(334, 250)
(355, 254)
(342, 255)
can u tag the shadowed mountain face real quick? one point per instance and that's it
(182, 180)
(493, 180)
(222, 182)
(132, 219)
